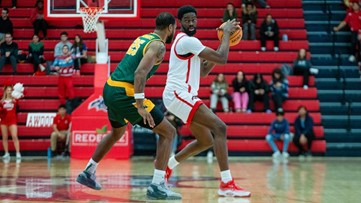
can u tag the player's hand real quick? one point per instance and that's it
(147, 117)
(230, 26)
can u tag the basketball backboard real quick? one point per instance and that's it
(112, 9)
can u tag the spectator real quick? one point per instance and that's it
(269, 31)
(8, 122)
(249, 21)
(240, 92)
(303, 131)
(353, 21)
(9, 52)
(279, 88)
(230, 13)
(38, 20)
(279, 130)
(79, 51)
(64, 64)
(58, 51)
(302, 66)
(262, 3)
(219, 89)
(177, 123)
(61, 127)
(6, 26)
(258, 91)
(36, 53)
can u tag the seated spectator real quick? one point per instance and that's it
(279, 88)
(258, 91)
(269, 31)
(64, 65)
(303, 131)
(6, 26)
(353, 21)
(9, 53)
(219, 88)
(61, 127)
(240, 92)
(262, 3)
(302, 66)
(38, 20)
(79, 52)
(279, 130)
(58, 51)
(230, 13)
(249, 21)
(36, 54)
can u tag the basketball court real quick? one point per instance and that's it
(317, 180)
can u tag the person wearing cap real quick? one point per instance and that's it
(279, 130)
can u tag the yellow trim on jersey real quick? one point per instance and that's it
(129, 88)
(148, 105)
(146, 46)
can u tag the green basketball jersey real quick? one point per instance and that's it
(126, 68)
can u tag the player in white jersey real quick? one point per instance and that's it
(189, 60)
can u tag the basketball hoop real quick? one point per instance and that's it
(90, 16)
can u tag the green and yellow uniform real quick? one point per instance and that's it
(118, 91)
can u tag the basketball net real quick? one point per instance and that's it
(90, 16)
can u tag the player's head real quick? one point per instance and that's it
(187, 15)
(166, 22)
(62, 110)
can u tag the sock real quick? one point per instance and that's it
(172, 163)
(158, 176)
(91, 166)
(226, 176)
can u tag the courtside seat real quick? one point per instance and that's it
(49, 80)
(30, 145)
(251, 132)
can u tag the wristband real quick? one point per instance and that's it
(139, 96)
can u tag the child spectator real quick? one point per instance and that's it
(36, 53)
(61, 127)
(303, 131)
(58, 51)
(64, 64)
(79, 52)
(258, 91)
(240, 92)
(9, 53)
(230, 13)
(249, 21)
(279, 130)
(269, 31)
(8, 122)
(6, 26)
(38, 20)
(302, 66)
(219, 91)
(279, 88)
(353, 21)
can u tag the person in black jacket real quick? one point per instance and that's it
(249, 21)
(302, 66)
(279, 88)
(36, 53)
(240, 92)
(6, 26)
(258, 90)
(303, 131)
(9, 52)
(269, 31)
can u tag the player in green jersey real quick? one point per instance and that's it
(125, 100)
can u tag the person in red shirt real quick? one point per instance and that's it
(8, 122)
(353, 20)
(61, 126)
(38, 20)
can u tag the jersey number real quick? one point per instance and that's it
(134, 47)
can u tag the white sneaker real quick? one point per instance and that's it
(351, 58)
(6, 156)
(314, 71)
(305, 87)
(285, 155)
(276, 155)
(276, 49)
(18, 156)
(263, 48)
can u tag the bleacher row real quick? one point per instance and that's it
(246, 132)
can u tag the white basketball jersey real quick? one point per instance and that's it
(184, 64)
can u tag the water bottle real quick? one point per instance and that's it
(285, 37)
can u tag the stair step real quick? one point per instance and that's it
(337, 108)
(341, 121)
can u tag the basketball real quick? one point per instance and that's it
(235, 36)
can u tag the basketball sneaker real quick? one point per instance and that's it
(168, 173)
(232, 189)
(89, 180)
(161, 192)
